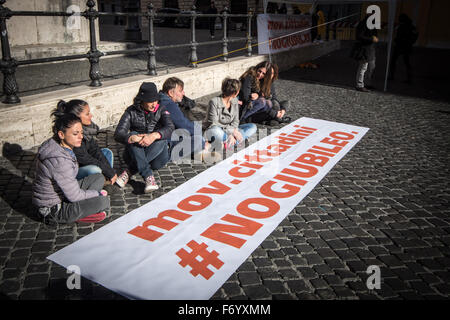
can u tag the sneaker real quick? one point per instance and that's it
(210, 156)
(362, 89)
(150, 184)
(285, 119)
(93, 218)
(122, 180)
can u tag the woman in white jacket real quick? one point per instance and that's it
(222, 117)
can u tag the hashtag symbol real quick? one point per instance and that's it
(199, 267)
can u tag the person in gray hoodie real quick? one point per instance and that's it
(56, 194)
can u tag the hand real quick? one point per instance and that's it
(113, 179)
(136, 138)
(374, 39)
(104, 193)
(237, 134)
(231, 141)
(240, 102)
(148, 139)
(254, 96)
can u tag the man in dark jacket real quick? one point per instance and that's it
(145, 128)
(364, 53)
(170, 97)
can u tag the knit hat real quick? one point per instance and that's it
(148, 92)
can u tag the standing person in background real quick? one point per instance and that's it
(212, 20)
(364, 52)
(403, 44)
(57, 195)
(91, 158)
(144, 129)
(321, 28)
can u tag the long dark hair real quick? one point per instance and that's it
(62, 122)
(74, 106)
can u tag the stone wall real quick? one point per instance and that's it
(28, 124)
(45, 30)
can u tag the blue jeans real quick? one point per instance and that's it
(149, 158)
(258, 105)
(246, 129)
(93, 169)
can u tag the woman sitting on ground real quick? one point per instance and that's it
(56, 193)
(259, 100)
(222, 117)
(91, 158)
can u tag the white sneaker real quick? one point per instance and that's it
(210, 157)
(150, 184)
(122, 180)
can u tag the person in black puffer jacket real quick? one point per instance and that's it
(145, 128)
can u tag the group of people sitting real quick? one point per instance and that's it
(73, 173)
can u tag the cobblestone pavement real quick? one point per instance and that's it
(386, 203)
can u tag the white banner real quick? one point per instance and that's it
(272, 28)
(188, 242)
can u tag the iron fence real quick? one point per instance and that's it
(8, 64)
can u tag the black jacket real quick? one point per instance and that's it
(248, 86)
(136, 121)
(89, 153)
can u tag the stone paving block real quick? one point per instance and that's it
(36, 281)
(344, 293)
(281, 263)
(257, 292)
(275, 286)
(319, 283)
(307, 273)
(249, 278)
(246, 266)
(288, 274)
(262, 262)
(297, 286)
(307, 296)
(232, 289)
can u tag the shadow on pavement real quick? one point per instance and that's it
(15, 188)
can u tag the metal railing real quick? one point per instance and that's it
(8, 64)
